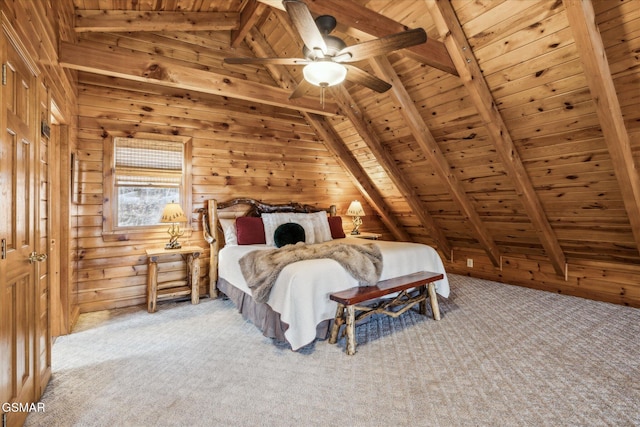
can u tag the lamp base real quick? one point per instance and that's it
(174, 235)
(173, 245)
(357, 222)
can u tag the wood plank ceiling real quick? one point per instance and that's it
(514, 130)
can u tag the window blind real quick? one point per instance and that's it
(146, 162)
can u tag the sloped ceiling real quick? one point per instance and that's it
(514, 129)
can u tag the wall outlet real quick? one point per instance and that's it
(469, 262)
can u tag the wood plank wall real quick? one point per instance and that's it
(239, 150)
(269, 153)
(530, 61)
(550, 114)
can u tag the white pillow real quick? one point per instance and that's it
(320, 226)
(271, 221)
(316, 225)
(229, 230)
(307, 224)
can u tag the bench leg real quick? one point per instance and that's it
(337, 322)
(351, 330)
(434, 301)
(423, 302)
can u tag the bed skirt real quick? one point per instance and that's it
(262, 315)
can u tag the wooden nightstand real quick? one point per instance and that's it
(365, 235)
(192, 254)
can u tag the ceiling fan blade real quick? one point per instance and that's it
(358, 75)
(381, 46)
(259, 61)
(306, 26)
(301, 90)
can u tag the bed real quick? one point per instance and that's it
(298, 309)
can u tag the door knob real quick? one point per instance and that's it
(34, 256)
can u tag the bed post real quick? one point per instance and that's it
(212, 210)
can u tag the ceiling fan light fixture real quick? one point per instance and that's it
(324, 73)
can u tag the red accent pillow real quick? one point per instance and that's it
(250, 230)
(335, 224)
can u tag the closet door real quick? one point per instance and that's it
(19, 261)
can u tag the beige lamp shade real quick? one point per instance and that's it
(173, 213)
(355, 209)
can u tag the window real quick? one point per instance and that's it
(148, 175)
(141, 176)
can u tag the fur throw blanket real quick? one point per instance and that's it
(262, 267)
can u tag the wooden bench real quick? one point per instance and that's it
(350, 298)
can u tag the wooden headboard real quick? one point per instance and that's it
(211, 226)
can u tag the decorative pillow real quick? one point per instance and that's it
(335, 224)
(229, 230)
(308, 228)
(250, 230)
(271, 221)
(321, 226)
(288, 233)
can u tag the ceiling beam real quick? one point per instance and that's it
(352, 14)
(333, 142)
(249, 16)
(350, 109)
(432, 152)
(115, 21)
(358, 176)
(598, 74)
(259, 45)
(470, 73)
(158, 70)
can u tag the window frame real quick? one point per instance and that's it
(110, 231)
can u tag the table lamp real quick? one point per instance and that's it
(173, 214)
(355, 210)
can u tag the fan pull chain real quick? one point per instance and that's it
(322, 89)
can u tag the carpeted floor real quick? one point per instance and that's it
(501, 356)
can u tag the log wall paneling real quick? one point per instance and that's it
(271, 155)
(527, 54)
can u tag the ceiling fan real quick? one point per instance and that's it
(327, 59)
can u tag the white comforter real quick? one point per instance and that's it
(301, 293)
